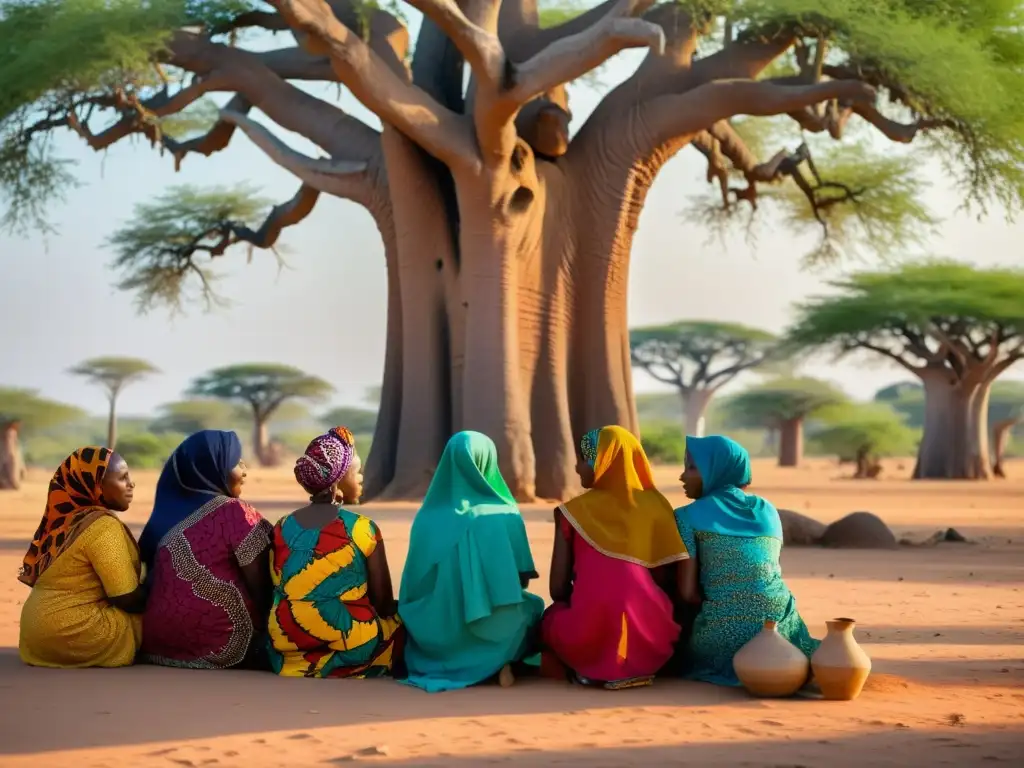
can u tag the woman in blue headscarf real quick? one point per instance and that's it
(737, 539)
(207, 555)
(463, 598)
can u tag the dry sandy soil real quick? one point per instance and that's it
(944, 626)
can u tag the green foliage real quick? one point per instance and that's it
(189, 416)
(114, 373)
(773, 402)
(663, 443)
(358, 420)
(262, 386)
(147, 450)
(155, 252)
(690, 352)
(871, 429)
(34, 412)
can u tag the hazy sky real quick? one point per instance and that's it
(326, 312)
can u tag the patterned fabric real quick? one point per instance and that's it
(741, 579)
(197, 472)
(462, 598)
(618, 626)
(623, 515)
(322, 623)
(199, 613)
(68, 621)
(326, 460)
(724, 507)
(73, 502)
(588, 446)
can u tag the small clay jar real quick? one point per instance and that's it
(769, 665)
(840, 665)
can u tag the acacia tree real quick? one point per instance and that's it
(264, 387)
(23, 410)
(698, 358)
(113, 374)
(784, 405)
(956, 328)
(189, 416)
(863, 433)
(507, 241)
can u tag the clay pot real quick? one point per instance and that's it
(840, 665)
(769, 665)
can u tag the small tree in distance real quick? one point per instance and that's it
(22, 410)
(863, 433)
(783, 404)
(113, 374)
(698, 358)
(264, 387)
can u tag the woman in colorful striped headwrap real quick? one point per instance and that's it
(334, 612)
(618, 569)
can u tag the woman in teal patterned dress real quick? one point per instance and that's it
(737, 539)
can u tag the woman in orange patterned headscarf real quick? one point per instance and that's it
(618, 569)
(83, 566)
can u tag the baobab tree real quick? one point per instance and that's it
(264, 387)
(113, 374)
(698, 358)
(784, 405)
(23, 410)
(955, 328)
(507, 240)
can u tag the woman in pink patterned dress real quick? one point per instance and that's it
(207, 558)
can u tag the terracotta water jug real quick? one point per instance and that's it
(769, 665)
(840, 665)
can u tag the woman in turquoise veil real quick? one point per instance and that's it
(463, 597)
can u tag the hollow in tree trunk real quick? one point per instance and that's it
(12, 465)
(791, 442)
(1000, 440)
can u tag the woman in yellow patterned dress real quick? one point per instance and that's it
(334, 611)
(85, 609)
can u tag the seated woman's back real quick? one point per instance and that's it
(333, 612)
(463, 596)
(207, 555)
(612, 620)
(83, 567)
(737, 538)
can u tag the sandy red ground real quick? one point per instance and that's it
(944, 626)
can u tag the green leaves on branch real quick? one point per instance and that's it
(114, 373)
(25, 407)
(156, 251)
(770, 404)
(262, 386)
(869, 429)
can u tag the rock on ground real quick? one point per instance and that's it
(859, 530)
(800, 530)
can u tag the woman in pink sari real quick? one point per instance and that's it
(618, 569)
(207, 554)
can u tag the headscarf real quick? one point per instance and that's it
(74, 500)
(195, 474)
(623, 515)
(466, 487)
(724, 508)
(588, 446)
(326, 460)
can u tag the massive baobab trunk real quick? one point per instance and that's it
(695, 405)
(261, 441)
(12, 465)
(791, 442)
(943, 452)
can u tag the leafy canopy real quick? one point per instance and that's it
(864, 428)
(263, 386)
(189, 416)
(32, 411)
(114, 373)
(780, 400)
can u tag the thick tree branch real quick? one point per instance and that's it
(286, 214)
(441, 132)
(676, 116)
(476, 40)
(343, 178)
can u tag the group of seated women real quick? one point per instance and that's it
(638, 589)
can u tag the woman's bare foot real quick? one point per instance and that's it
(506, 679)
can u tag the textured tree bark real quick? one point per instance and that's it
(12, 464)
(947, 441)
(791, 442)
(695, 405)
(1000, 440)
